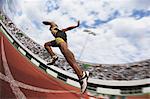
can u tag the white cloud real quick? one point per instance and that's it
(122, 39)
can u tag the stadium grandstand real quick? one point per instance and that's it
(107, 81)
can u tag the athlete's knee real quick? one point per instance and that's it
(46, 45)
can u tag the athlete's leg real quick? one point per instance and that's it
(82, 75)
(70, 59)
(47, 46)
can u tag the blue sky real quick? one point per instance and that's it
(121, 26)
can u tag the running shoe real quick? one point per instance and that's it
(83, 81)
(53, 60)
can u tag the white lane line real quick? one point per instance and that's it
(18, 93)
(16, 84)
(33, 88)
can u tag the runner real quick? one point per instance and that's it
(61, 42)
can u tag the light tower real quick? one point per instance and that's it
(86, 42)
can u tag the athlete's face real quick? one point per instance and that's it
(54, 29)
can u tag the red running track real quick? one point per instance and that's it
(20, 79)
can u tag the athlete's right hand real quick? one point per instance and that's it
(78, 23)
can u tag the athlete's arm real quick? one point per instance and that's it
(71, 27)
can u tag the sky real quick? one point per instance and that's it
(121, 27)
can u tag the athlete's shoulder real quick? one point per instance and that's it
(64, 30)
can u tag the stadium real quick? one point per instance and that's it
(25, 75)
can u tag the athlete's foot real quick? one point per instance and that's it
(83, 81)
(53, 60)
